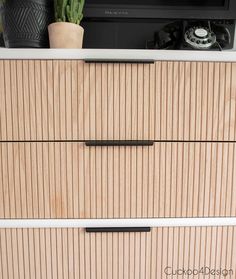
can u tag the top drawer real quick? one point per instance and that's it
(73, 100)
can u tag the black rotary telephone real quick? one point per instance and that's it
(198, 35)
(169, 37)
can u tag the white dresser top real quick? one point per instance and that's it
(118, 55)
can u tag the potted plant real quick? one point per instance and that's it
(25, 22)
(66, 31)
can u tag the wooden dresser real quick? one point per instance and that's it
(114, 141)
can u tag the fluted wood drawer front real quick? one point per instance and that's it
(73, 253)
(72, 180)
(65, 100)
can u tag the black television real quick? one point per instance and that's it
(157, 9)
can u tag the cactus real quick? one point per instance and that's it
(74, 11)
(69, 10)
(60, 10)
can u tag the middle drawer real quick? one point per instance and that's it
(72, 180)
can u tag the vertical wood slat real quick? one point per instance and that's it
(73, 100)
(71, 180)
(33, 253)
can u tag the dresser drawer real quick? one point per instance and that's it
(161, 253)
(72, 180)
(73, 100)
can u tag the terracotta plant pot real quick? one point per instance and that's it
(65, 35)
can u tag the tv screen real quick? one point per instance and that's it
(156, 9)
(174, 3)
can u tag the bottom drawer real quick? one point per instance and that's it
(162, 253)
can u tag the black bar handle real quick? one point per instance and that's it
(118, 230)
(119, 143)
(118, 61)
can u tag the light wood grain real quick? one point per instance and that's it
(73, 253)
(73, 100)
(71, 180)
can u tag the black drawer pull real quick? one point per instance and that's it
(119, 143)
(118, 230)
(119, 61)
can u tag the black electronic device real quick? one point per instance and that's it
(156, 9)
(160, 24)
(197, 35)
